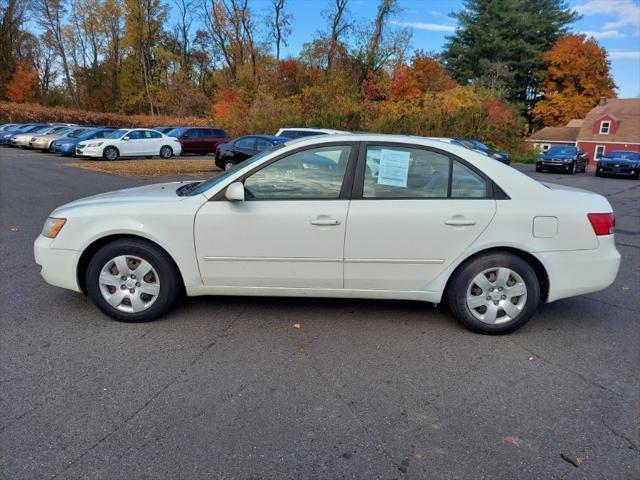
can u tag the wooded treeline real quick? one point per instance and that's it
(224, 59)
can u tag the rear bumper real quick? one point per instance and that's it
(58, 267)
(579, 272)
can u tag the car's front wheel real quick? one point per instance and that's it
(110, 153)
(574, 168)
(132, 280)
(495, 293)
(229, 164)
(166, 152)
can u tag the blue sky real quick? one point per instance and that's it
(614, 23)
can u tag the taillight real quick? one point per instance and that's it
(602, 223)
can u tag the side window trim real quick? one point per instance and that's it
(358, 185)
(347, 181)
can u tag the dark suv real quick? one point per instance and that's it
(199, 140)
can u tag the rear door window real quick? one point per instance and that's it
(245, 143)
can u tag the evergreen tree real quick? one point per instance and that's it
(500, 44)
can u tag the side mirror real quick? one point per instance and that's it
(126, 137)
(235, 192)
(186, 135)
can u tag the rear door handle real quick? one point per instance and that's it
(459, 222)
(325, 222)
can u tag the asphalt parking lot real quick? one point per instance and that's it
(226, 388)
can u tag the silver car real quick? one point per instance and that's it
(44, 142)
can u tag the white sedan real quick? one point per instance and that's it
(352, 216)
(135, 142)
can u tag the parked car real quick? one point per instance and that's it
(199, 140)
(228, 155)
(21, 140)
(164, 130)
(619, 163)
(564, 159)
(438, 221)
(8, 126)
(295, 132)
(136, 142)
(43, 142)
(5, 136)
(482, 148)
(67, 146)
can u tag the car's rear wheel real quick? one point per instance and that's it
(166, 152)
(110, 153)
(495, 293)
(132, 280)
(228, 164)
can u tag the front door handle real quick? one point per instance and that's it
(460, 222)
(325, 222)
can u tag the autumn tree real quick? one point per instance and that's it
(501, 42)
(576, 77)
(279, 25)
(142, 34)
(51, 16)
(23, 85)
(13, 16)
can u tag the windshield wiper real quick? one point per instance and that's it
(185, 189)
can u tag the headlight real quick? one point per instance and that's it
(53, 226)
(497, 156)
(95, 144)
(567, 160)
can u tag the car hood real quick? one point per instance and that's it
(148, 194)
(619, 161)
(559, 156)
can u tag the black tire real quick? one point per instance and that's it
(166, 152)
(598, 174)
(110, 153)
(574, 168)
(463, 279)
(538, 168)
(228, 164)
(168, 278)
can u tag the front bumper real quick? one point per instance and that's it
(58, 267)
(20, 142)
(578, 272)
(622, 170)
(39, 145)
(63, 150)
(95, 152)
(561, 167)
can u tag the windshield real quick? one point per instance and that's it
(624, 155)
(77, 133)
(118, 133)
(176, 132)
(88, 135)
(207, 184)
(40, 129)
(561, 151)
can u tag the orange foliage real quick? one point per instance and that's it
(23, 85)
(425, 74)
(577, 76)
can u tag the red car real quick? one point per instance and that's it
(199, 140)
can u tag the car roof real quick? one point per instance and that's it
(311, 129)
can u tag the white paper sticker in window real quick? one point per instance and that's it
(394, 168)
